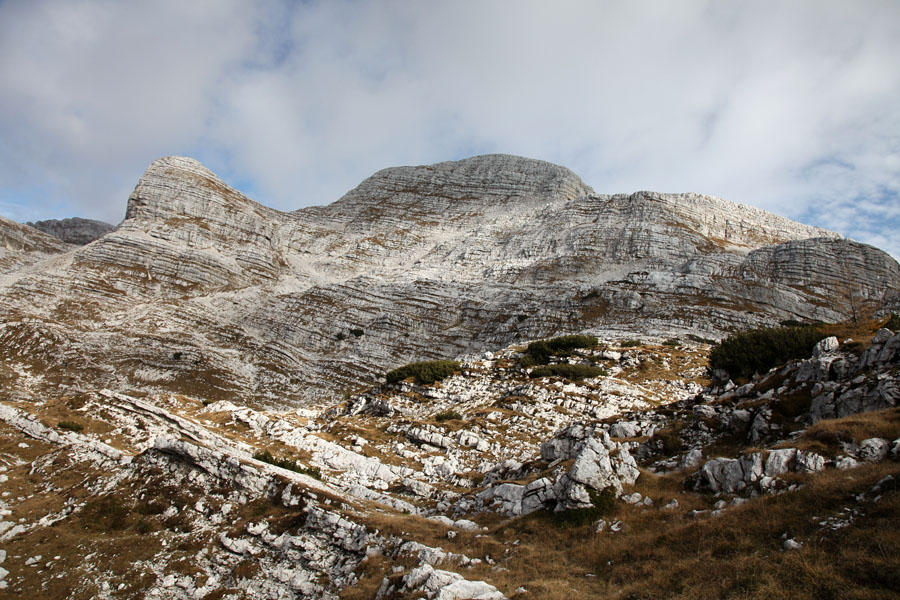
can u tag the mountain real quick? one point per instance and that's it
(200, 290)
(75, 230)
(192, 405)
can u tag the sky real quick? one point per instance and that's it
(793, 107)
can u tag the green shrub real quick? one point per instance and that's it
(893, 323)
(603, 504)
(791, 323)
(539, 352)
(672, 342)
(756, 351)
(357, 332)
(631, 343)
(425, 373)
(447, 416)
(70, 425)
(287, 463)
(572, 372)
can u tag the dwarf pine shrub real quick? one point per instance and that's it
(425, 372)
(539, 352)
(572, 372)
(756, 351)
(287, 463)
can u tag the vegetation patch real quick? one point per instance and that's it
(447, 416)
(758, 350)
(287, 463)
(572, 372)
(604, 503)
(70, 426)
(539, 352)
(424, 373)
(631, 343)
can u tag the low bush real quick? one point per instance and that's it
(893, 323)
(756, 351)
(631, 343)
(424, 373)
(572, 372)
(357, 332)
(539, 352)
(287, 463)
(603, 504)
(672, 342)
(70, 426)
(447, 416)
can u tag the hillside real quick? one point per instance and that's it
(491, 483)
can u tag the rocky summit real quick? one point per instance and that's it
(200, 290)
(74, 230)
(205, 402)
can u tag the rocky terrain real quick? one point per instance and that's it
(408, 490)
(194, 404)
(74, 230)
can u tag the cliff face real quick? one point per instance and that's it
(201, 290)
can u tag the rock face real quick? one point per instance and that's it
(75, 231)
(203, 291)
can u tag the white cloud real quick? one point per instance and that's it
(794, 107)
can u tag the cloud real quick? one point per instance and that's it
(793, 107)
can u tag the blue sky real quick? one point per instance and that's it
(790, 106)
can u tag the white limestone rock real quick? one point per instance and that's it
(873, 449)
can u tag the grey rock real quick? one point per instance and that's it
(730, 475)
(446, 585)
(873, 449)
(825, 346)
(76, 231)
(792, 544)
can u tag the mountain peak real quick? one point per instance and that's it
(472, 183)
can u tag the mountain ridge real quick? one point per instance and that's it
(427, 262)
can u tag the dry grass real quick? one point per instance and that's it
(665, 554)
(826, 436)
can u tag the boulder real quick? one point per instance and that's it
(873, 449)
(829, 344)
